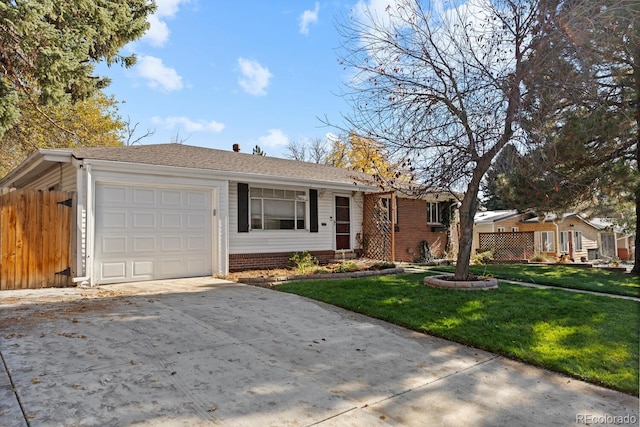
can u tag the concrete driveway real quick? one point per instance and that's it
(207, 352)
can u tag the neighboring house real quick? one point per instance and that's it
(571, 234)
(613, 240)
(499, 221)
(171, 210)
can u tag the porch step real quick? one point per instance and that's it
(342, 256)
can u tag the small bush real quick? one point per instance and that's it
(482, 258)
(302, 261)
(347, 267)
(539, 257)
(382, 266)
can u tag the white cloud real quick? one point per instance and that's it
(158, 33)
(158, 76)
(188, 124)
(168, 8)
(275, 138)
(307, 18)
(254, 77)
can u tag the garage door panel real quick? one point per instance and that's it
(112, 195)
(111, 219)
(113, 270)
(151, 233)
(171, 244)
(171, 198)
(144, 219)
(171, 220)
(143, 244)
(114, 244)
(196, 243)
(197, 220)
(196, 200)
(144, 196)
(140, 269)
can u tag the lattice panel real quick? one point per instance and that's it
(508, 246)
(376, 228)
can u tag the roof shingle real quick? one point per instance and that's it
(188, 156)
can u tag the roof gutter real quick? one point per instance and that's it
(34, 160)
(229, 175)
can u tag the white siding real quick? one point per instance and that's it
(60, 177)
(267, 241)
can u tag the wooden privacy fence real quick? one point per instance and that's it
(508, 246)
(35, 238)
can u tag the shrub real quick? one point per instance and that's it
(302, 261)
(382, 266)
(482, 258)
(347, 267)
(539, 257)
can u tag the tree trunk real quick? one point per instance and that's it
(636, 266)
(467, 213)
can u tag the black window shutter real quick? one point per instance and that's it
(313, 211)
(243, 208)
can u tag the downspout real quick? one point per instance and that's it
(82, 277)
(85, 178)
(557, 239)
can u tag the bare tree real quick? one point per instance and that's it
(440, 85)
(130, 133)
(296, 151)
(315, 150)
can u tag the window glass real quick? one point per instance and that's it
(256, 214)
(433, 212)
(278, 209)
(578, 240)
(548, 244)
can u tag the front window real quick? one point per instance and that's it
(277, 209)
(578, 239)
(433, 213)
(564, 241)
(547, 241)
(386, 206)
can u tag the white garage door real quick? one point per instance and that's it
(145, 233)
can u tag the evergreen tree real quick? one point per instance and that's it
(49, 49)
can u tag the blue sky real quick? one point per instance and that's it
(250, 72)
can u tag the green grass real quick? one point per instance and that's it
(564, 276)
(590, 337)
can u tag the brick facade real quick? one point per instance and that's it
(256, 261)
(412, 228)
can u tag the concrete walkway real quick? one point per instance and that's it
(533, 285)
(207, 352)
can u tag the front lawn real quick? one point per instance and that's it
(590, 337)
(564, 276)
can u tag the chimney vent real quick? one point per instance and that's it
(236, 148)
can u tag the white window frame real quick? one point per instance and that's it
(386, 204)
(577, 236)
(547, 241)
(564, 242)
(515, 229)
(271, 195)
(433, 213)
(501, 229)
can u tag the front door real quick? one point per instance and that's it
(343, 223)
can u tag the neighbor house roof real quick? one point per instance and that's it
(188, 156)
(600, 224)
(489, 217)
